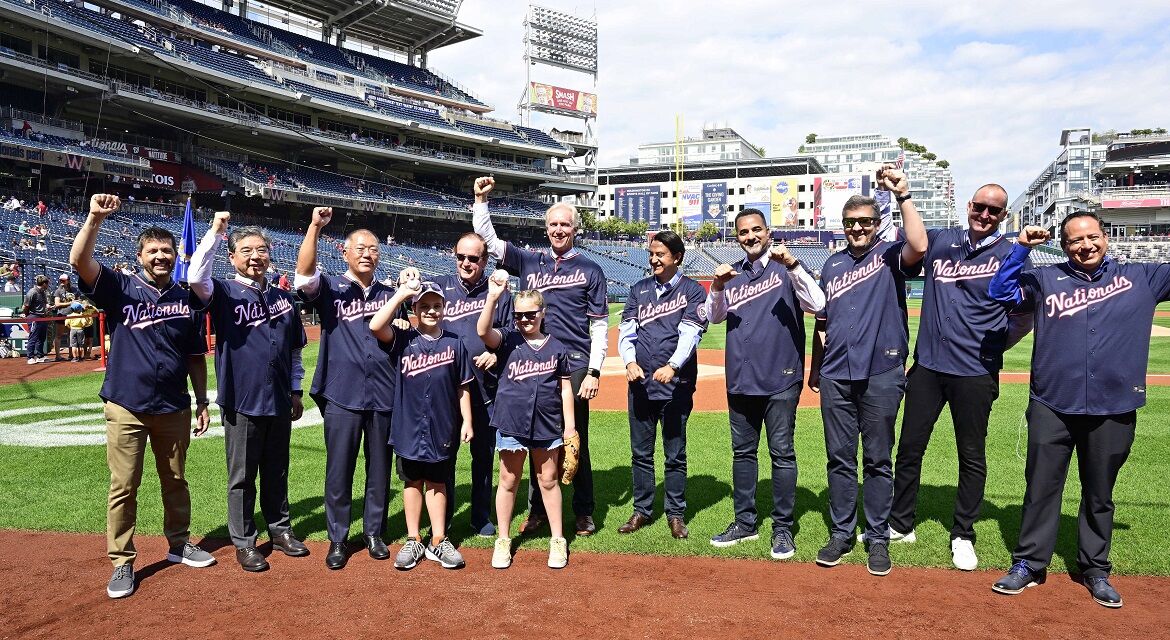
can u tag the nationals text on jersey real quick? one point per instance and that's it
(145, 314)
(528, 368)
(849, 279)
(1083, 298)
(650, 311)
(545, 281)
(357, 309)
(253, 313)
(948, 271)
(737, 296)
(416, 363)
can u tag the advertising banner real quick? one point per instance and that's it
(639, 204)
(547, 95)
(829, 196)
(1136, 203)
(715, 202)
(691, 205)
(150, 153)
(758, 195)
(784, 205)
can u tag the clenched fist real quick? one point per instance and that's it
(483, 186)
(322, 216)
(220, 222)
(1032, 235)
(723, 274)
(103, 204)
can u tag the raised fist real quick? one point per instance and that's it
(103, 204)
(1032, 235)
(780, 254)
(483, 186)
(893, 180)
(724, 273)
(322, 216)
(220, 222)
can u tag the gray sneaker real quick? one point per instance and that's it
(445, 554)
(409, 554)
(191, 555)
(122, 582)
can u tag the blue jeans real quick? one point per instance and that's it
(35, 345)
(867, 408)
(749, 415)
(644, 417)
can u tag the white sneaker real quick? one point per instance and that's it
(963, 554)
(895, 536)
(558, 553)
(33, 361)
(502, 553)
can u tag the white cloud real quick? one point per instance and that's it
(987, 85)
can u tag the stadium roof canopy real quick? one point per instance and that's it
(401, 24)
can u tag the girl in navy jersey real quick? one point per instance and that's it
(432, 376)
(533, 401)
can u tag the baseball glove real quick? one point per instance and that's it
(571, 458)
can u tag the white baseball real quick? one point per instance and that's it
(413, 284)
(500, 276)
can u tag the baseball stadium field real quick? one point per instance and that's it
(52, 519)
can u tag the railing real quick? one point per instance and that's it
(54, 67)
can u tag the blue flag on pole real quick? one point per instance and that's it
(186, 245)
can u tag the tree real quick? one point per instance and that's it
(637, 229)
(929, 156)
(903, 142)
(611, 227)
(1160, 131)
(707, 231)
(810, 138)
(588, 220)
(943, 164)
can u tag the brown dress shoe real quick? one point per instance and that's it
(636, 521)
(585, 526)
(251, 560)
(678, 528)
(533, 523)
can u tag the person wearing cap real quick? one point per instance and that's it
(63, 297)
(78, 323)
(36, 307)
(353, 385)
(431, 416)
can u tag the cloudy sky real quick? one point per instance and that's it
(987, 85)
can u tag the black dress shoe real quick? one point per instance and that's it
(251, 560)
(1103, 592)
(337, 556)
(287, 542)
(377, 548)
(586, 526)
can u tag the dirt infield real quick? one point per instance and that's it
(57, 589)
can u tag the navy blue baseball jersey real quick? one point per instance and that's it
(353, 370)
(256, 330)
(460, 315)
(152, 333)
(865, 309)
(1092, 339)
(428, 373)
(962, 331)
(574, 289)
(658, 319)
(765, 330)
(528, 402)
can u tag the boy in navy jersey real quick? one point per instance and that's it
(661, 326)
(1093, 318)
(763, 299)
(534, 399)
(258, 342)
(432, 414)
(961, 339)
(574, 289)
(466, 292)
(858, 366)
(157, 344)
(353, 384)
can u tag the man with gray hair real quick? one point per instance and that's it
(574, 288)
(258, 345)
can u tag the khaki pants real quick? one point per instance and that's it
(127, 433)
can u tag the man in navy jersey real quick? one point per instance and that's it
(961, 339)
(465, 293)
(574, 288)
(1093, 318)
(662, 323)
(763, 299)
(352, 385)
(858, 366)
(258, 342)
(156, 344)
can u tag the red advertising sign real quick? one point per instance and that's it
(547, 95)
(177, 177)
(1138, 203)
(150, 153)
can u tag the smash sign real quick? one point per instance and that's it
(547, 95)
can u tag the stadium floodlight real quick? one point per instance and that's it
(561, 40)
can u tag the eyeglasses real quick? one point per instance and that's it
(979, 207)
(864, 223)
(360, 249)
(460, 257)
(525, 315)
(247, 252)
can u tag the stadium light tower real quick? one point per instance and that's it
(565, 41)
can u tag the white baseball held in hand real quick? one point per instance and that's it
(413, 284)
(500, 276)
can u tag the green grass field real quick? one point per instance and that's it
(64, 488)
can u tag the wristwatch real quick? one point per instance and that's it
(902, 199)
(595, 373)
